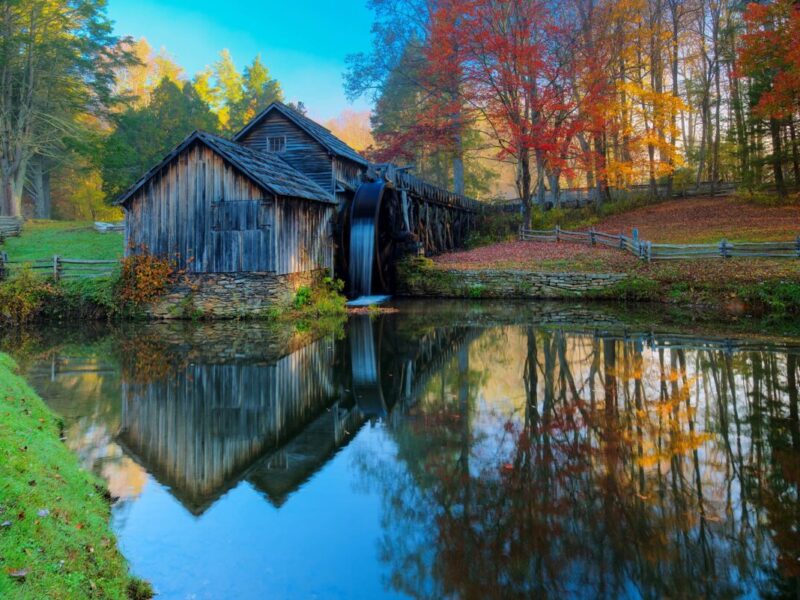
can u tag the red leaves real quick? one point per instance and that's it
(771, 51)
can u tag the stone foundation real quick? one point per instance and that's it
(229, 295)
(503, 283)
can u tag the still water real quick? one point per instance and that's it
(447, 450)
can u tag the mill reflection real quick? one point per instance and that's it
(203, 417)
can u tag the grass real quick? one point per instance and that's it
(55, 539)
(70, 239)
(319, 308)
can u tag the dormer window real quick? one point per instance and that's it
(276, 143)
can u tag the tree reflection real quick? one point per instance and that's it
(623, 470)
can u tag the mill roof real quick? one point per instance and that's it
(322, 135)
(266, 170)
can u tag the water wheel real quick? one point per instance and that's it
(375, 206)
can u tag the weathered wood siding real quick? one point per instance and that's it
(210, 218)
(303, 238)
(198, 430)
(303, 152)
(348, 173)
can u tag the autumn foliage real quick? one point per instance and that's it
(771, 48)
(143, 278)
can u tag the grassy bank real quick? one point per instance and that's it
(734, 286)
(55, 539)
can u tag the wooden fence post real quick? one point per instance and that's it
(558, 233)
(723, 248)
(3, 260)
(649, 251)
(55, 267)
(591, 236)
(797, 246)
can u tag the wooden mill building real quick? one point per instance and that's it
(251, 219)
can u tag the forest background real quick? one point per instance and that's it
(514, 98)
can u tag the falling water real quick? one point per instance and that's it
(363, 222)
(362, 255)
(364, 363)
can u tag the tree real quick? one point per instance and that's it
(57, 58)
(142, 136)
(503, 55)
(770, 54)
(235, 97)
(398, 65)
(134, 83)
(353, 128)
(259, 91)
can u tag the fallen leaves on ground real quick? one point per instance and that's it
(546, 256)
(706, 220)
(571, 257)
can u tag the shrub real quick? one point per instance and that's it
(143, 278)
(302, 297)
(23, 296)
(494, 227)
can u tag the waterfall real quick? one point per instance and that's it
(363, 221)
(362, 256)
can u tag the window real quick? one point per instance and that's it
(276, 144)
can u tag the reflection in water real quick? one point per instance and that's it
(503, 460)
(615, 470)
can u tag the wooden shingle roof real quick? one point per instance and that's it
(268, 171)
(322, 135)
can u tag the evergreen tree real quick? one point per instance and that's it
(142, 136)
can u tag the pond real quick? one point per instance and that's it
(464, 450)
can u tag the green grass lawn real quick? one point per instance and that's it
(70, 239)
(55, 538)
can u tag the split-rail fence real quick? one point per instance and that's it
(59, 267)
(649, 251)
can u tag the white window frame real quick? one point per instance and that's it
(271, 138)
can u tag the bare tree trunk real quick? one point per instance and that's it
(602, 178)
(718, 101)
(524, 185)
(674, 6)
(555, 187)
(458, 168)
(10, 195)
(39, 188)
(795, 153)
(540, 177)
(777, 156)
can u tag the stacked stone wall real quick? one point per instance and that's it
(229, 295)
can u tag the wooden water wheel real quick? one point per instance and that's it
(376, 201)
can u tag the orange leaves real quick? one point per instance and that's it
(144, 278)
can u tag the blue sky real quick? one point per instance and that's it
(303, 42)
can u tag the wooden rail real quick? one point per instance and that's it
(9, 227)
(59, 267)
(649, 251)
(103, 227)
